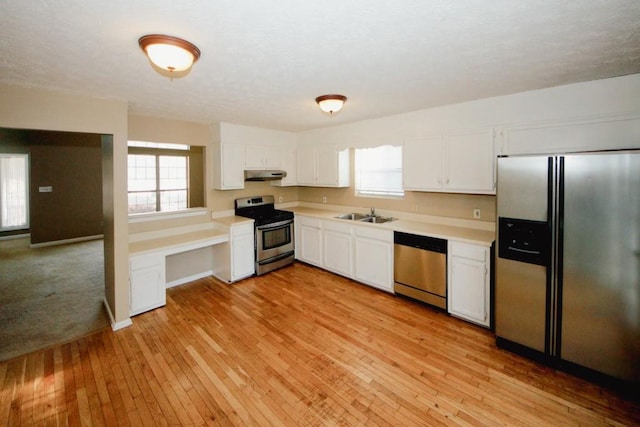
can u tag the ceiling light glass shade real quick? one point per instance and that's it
(331, 103)
(169, 53)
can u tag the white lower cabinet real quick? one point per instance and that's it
(147, 283)
(374, 257)
(308, 238)
(235, 260)
(241, 237)
(469, 282)
(338, 248)
(359, 252)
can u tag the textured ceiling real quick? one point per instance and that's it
(264, 62)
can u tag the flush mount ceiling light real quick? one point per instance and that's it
(331, 103)
(169, 53)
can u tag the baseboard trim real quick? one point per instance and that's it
(65, 241)
(188, 279)
(15, 236)
(116, 325)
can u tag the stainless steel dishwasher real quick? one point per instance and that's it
(420, 268)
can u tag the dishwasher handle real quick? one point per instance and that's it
(426, 243)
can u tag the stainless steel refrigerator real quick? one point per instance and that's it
(567, 284)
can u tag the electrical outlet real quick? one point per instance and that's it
(280, 199)
(324, 199)
(476, 213)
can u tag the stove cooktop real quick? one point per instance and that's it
(261, 209)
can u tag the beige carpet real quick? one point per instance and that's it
(49, 295)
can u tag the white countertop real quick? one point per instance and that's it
(185, 238)
(181, 242)
(232, 220)
(414, 226)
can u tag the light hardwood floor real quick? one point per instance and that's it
(299, 346)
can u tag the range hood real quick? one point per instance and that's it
(263, 175)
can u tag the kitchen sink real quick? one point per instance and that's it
(352, 216)
(376, 219)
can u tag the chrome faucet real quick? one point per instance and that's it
(373, 211)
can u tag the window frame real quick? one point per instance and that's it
(157, 153)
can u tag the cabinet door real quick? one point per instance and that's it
(338, 250)
(272, 158)
(374, 263)
(327, 165)
(254, 157)
(242, 252)
(231, 167)
(468, 293)
(306, 163)
(422, 163)
(262, 157)
(147, 284)
(289, 165)
(309, 239)
(470, 162)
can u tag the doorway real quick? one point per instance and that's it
(53, 278)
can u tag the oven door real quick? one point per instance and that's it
(274, 239)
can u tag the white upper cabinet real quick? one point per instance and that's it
(455, 163)
(608, 133)
(469, 162)
(323, 166)
(306, 165)
(262, 156)
(289, 163)
(422, 163)
(228, 166)
(236, 148)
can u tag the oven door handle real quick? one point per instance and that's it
(274, 225)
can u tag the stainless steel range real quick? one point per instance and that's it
(274, 247)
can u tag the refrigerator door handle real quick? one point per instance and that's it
(559, 262)
(524, 251)
(552, 184)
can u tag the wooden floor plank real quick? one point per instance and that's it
(299, 346)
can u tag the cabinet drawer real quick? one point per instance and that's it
(144, 261)
(465, 250)
(340, 227)
(308, 221)
(241, 229)
(373, 233)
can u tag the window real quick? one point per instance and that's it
(378, 171)
(14, 191)
(158, 177)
